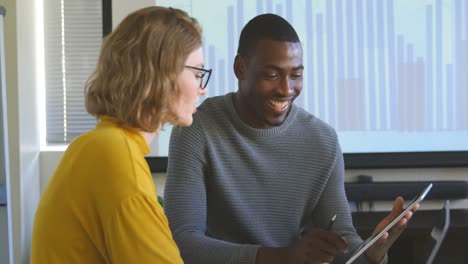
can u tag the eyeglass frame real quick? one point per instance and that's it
(204, 72)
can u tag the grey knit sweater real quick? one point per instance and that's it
(232, 188)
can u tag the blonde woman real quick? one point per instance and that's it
(100, 206)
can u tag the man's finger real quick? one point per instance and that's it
(397, 206)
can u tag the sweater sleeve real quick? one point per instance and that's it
(333, 201)
(185, 203)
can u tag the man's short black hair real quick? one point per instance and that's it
(265, 27)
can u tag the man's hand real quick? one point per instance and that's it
(377, 251)
(315, 246)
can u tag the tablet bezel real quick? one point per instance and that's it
(370, 241)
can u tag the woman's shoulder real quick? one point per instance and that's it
(102, 140)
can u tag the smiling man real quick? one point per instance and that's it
(256, 179)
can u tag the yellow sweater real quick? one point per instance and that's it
(100, 205)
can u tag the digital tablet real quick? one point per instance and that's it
(370, 241)
(439, 232)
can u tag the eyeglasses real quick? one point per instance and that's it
(204, 75)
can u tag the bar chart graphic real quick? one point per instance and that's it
(370, 65)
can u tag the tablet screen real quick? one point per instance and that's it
(370, 241)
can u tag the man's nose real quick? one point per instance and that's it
(286, 86)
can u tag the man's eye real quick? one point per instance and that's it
(200, 75)
(296, 76)
(270, 76)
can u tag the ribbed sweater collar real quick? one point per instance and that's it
(258, 132)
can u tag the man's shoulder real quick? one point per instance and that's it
(313, 122)
(212, 103)
(211, 114)
(213, 108)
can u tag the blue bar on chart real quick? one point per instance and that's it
(392, 95)
(320, 91)
(329, 100)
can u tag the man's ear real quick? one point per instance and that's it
(239, 67)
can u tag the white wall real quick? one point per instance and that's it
(29, 146)
(12, 106)
(22, 122)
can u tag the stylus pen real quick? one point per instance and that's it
(330, 224)
(329, 227)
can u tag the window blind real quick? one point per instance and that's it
(73, 37)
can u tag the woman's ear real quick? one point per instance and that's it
(239, 67)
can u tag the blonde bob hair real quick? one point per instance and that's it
(135, 76)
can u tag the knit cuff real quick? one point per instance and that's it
(248, 254)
